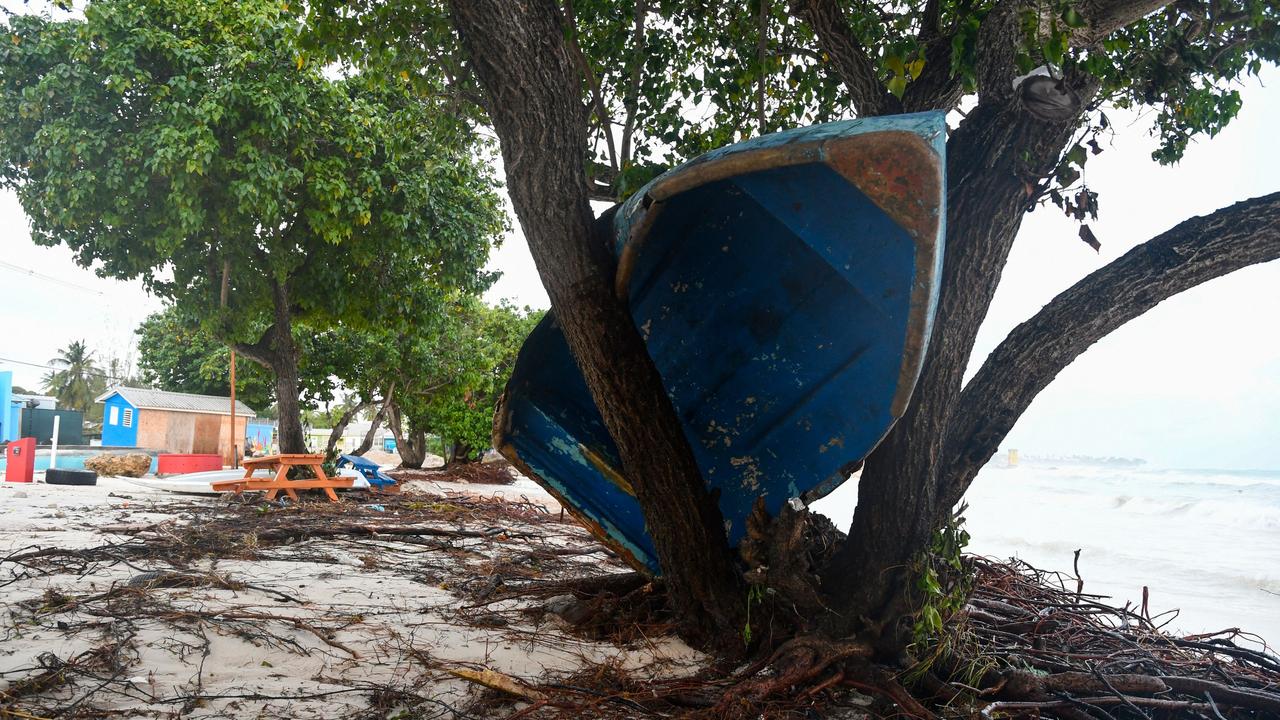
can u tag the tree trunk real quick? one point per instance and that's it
(992, 158)
(277, 351)
(533, 98)
(460, 454)
(367, 443)
(411, 444)
(335, 434)
(284, 361)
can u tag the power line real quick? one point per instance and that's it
(46, 366)
(50, 278)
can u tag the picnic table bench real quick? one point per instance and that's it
(279, 466)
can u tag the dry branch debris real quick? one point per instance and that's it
(1028, 644)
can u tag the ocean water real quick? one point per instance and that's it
(1204, 542)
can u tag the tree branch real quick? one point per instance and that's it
(1192, 252)
(848, 57)
(262, 351)
(602, 114)
(1103, 17)
(631, 101)
(762, 48)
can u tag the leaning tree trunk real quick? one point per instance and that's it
(367, 443)
(998, 159)
(898, 501)
(532, 94)
(996, 153)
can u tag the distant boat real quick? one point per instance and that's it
(785, 287)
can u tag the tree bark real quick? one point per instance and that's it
(1192, 252)
(284, 361)
(533, 99)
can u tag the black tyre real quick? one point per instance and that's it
(70, 477)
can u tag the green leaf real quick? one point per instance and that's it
(897, 85)
(895, 64)
(1072, 18)
(1076, 156)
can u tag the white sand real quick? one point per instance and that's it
(363, 620)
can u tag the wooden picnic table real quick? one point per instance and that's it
(279, 466)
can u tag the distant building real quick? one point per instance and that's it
(12, 404)
(38, 402)
(171, 422)
(352, 436)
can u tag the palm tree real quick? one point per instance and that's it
(76, 378)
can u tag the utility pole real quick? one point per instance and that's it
(234, 464)
(231, 433)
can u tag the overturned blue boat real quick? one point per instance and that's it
(785, 287)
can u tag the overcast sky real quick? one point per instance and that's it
(1193, 383)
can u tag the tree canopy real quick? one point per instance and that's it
(443, 379)
(176, 354)
(490, 336)
(664, 81)
(196, 146)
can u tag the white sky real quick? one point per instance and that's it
(1193, 383)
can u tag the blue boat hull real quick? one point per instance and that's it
(785, 288)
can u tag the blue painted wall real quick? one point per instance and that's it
(8, 428)
(114, 432)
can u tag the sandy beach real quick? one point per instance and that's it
(125, 601)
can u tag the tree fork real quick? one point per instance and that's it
(898, 509)
(533, 98)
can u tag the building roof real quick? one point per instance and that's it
(49, 400)
(146, 398)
